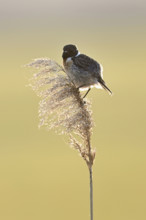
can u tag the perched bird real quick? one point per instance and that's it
(82, 70)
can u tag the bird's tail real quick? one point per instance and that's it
(102, 83)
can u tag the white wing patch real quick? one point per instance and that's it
(77, 54)
(70, 58)
(101, 67)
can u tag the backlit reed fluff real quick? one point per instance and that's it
(61, 107)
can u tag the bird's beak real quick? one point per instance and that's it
(64, 54)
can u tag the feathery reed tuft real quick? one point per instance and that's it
(62, 107)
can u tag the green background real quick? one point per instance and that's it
(40, 176)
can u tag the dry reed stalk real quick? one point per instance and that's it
(61, 107)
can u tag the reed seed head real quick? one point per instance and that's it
(61, 106)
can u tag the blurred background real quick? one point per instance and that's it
(40, 176)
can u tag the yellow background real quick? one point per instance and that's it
(40, 176)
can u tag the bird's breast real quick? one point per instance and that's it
(67, 63)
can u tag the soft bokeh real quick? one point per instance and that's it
(40, 176)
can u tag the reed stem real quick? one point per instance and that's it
(91, 194)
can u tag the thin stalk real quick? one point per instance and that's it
(91, 194)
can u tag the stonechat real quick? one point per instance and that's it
(83, 71)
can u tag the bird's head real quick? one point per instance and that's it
(69, 51)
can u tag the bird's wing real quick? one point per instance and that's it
(87, 64)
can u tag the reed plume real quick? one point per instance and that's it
(62, 108)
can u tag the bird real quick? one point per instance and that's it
(83, 71)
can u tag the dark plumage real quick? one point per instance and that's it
(85, 63)
(83, 71)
